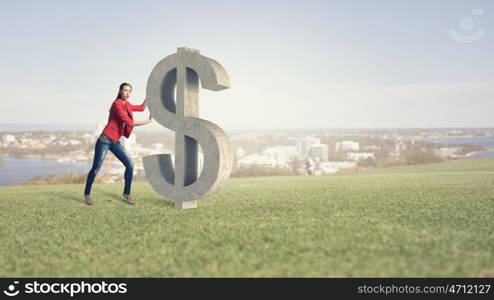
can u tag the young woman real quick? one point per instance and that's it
(120, 122)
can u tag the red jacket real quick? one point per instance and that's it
(120, 121)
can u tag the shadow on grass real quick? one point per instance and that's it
(153, 201)
(161, 202)
(112, 196)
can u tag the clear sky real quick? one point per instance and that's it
(292, 64)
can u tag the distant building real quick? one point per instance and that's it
(447, 151)
(74, 142)
(61, 142)
(319, 151)
(277, 156)
(280, 154)
(330, 167)
(400, 146)
(360, 155)
(303, 144)
(49, 139)
(88, 138)
(347, 145)
(8, 138)
(317, 167)
(157, 146)
(257, 159)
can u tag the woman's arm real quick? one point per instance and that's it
(140, 107)
(122, 115)
(143, 122)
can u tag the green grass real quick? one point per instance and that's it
(418, 221)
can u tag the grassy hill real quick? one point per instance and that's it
(430, 220)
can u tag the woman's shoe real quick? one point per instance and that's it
(129, 199)
(87, 200)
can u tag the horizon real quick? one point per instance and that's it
(86, 127)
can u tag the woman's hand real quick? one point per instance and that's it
(145, 103)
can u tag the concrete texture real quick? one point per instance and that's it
(181, 183)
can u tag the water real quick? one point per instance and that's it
(486, 141)
(479, 155)
(16, 170)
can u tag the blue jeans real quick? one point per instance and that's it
(100, 151)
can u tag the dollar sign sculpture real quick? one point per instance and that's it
(181, 72)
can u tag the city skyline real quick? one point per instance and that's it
(33, 127)
(318, 65)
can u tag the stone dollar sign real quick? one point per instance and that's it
(180, 73)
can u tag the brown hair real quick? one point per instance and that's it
(121, 87)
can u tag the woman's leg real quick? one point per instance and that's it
(124, 157)
(100, 150)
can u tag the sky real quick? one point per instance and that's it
(292, 64)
